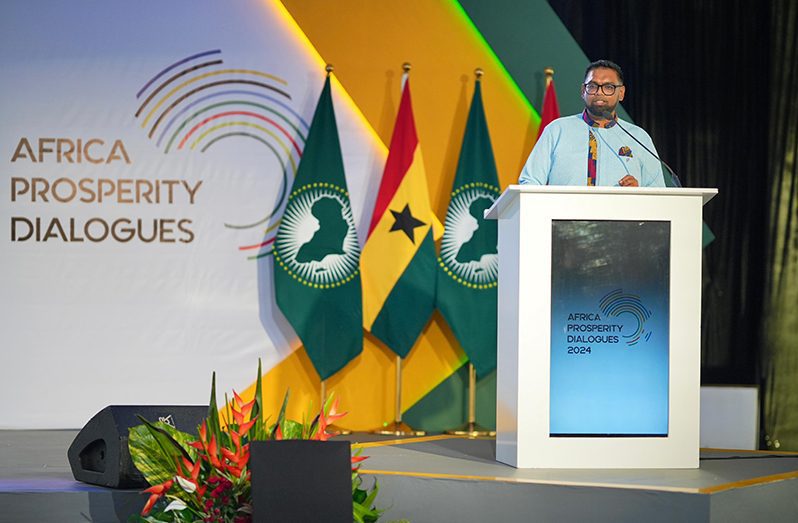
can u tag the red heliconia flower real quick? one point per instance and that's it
(235, 471)
(190, 470)
(244, 461)
(334, 414)
(213, 454)
(150, 502)
(244, 409)
(231, 456)
(155, 491)
(327, 420)
(238, 398)
(236, 437)
(243, 428)
(160, 488)
(322, 435)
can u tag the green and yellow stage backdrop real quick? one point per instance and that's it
(149, 152)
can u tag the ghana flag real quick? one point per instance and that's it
(469, 261)
(316, 252)
(398, 261)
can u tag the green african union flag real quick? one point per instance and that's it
(316, 252)
(468, 261)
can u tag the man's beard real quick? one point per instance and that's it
(601, 111)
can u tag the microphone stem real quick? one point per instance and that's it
(671, 171)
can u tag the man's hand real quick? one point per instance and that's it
(628, 181)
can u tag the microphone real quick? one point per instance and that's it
(673, 174)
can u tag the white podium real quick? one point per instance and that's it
(599, 326)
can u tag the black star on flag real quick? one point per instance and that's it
(406, 222)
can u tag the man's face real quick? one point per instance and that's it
(600, 104)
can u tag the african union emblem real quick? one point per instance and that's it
(468, 248)
(317, 241)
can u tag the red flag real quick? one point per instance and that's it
(551, 111)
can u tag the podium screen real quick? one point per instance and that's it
(610, 284)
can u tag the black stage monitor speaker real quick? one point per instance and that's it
(99, 454)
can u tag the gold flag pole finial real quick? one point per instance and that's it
(479, 72)
(329, 68)
(406, 67)
(549, 72)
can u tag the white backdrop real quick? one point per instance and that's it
(84, 324)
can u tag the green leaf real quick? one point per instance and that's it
(258, 407)
(148, 454)
(359, 496)
(291, 429)
(363, 501)
(148, 457)
(364, 515)
(328, 403)
(373, 495)
(168, 444)
(214, 428)
(281, 417)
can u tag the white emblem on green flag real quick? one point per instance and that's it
(317, 241)
(468, 249)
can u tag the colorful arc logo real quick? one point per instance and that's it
(196, 103)
(617, 303)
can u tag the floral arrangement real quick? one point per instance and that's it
(207, 478)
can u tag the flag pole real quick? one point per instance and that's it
(406, 68)
(549, 72)
(471, 429)
(332, 429)
(399, 428)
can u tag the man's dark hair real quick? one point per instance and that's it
(607, 64)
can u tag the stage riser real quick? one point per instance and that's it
(772, 502)
(102, 506)
(420, 480)
(434, 500)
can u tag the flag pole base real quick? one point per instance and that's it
(472, 430)
(337, 431)
(398, 428)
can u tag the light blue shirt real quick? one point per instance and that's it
(560, 155)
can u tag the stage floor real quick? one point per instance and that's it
(444, 478)
(440, 478)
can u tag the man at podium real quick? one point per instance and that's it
(595, 147)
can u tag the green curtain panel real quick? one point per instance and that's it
(780, 355)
